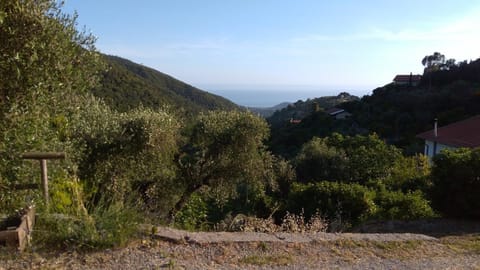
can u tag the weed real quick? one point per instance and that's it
(107, 226)
(171, 264)
(263, 246)
(267, 260)
(290, 223)
(463, 244)
(398, 245)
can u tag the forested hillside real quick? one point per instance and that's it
(448, 91)
(126, 85)
(301, 109)
(397, 113)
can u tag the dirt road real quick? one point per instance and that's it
(175, 249)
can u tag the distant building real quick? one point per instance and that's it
(295, 121)
(338, 113)
(409, 80)
(464, 133)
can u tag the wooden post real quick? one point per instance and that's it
(42, 157)
(44, 176)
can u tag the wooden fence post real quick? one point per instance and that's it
(42, 157)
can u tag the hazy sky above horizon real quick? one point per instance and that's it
(283, 44)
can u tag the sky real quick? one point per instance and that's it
(287, 45)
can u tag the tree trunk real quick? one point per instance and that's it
(183, 200)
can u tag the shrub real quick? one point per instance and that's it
(193, 215)
(456, 183)
(128, 152)
(352, 203)
(319, 162)
(404, 206)
(108, 226)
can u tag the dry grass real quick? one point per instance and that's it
(260, 260)
(291, 223)
(463, 244)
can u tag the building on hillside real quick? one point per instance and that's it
(338, 113)
(295, 121)
(408, 80)
(464, 133)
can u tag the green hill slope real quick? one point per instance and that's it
(395, 112)
(127, 85)
(302, 109)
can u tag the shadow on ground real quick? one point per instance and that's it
(431, 227)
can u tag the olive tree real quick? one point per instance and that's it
(45, 65)
(224, 149)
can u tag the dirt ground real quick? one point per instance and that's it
(174, 249)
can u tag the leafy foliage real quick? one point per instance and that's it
(456, 183)
(396, 205)
(127, 152)
(46, 67)
(350, 203)
(349, 159)
(318, 161)
(225, 148)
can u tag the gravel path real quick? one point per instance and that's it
(174, 249)
(179, 236)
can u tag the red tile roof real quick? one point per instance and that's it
(406, 78)
(465, 133)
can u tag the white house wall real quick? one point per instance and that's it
(430, 147)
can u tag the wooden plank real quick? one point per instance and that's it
(20, 237)
(9, 238)
(44, 155)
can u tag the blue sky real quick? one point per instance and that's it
(283, 44)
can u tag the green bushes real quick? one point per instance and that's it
(346, 159)
(456, 183)
(396, 205)
(128, 152)
(352, 203)
(193, 215)
(107, 226)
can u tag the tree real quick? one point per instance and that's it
(318, 161)
(46, 65)
(224, 149)
(433, 62)
(369, 157)
(42, 51)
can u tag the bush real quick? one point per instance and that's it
(352, 203)
(128, 152)
(456, 183)
(193, 215)
(319, 162)
(108, 226)
(356, 159)
(395, 205)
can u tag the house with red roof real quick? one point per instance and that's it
(464, 133)
(409, 80)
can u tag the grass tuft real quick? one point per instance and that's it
(261, 260)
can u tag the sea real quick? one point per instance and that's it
(270, 98)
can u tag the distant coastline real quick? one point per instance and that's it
(269, 98)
